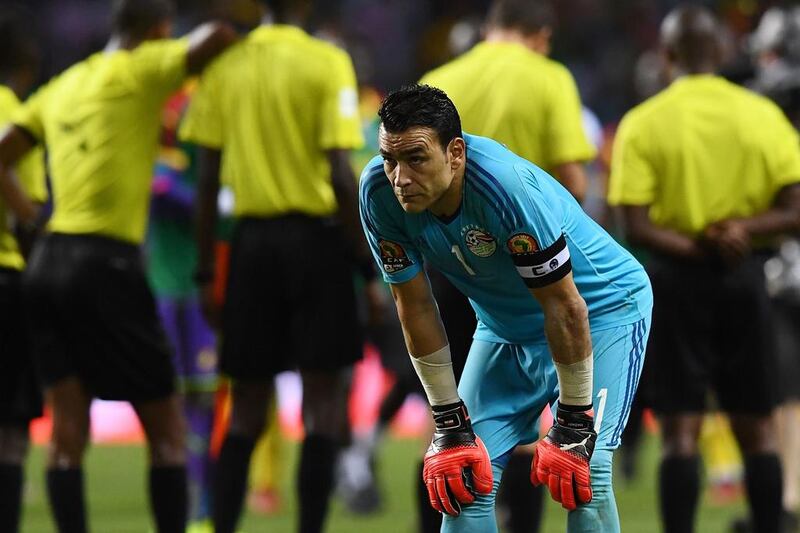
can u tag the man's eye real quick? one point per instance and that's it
(416, 160)
(390, 162)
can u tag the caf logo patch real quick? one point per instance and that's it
(522, 243)
(393, 256)
(480, 242)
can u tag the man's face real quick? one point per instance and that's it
(419, 170)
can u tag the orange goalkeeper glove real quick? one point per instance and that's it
(561, 458)
(457, 465)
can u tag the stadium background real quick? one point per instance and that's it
(609, 46)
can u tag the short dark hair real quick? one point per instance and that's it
(137, 17)
(528, 16)
(18, 45)
(421, 105)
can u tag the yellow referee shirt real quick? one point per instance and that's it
(100, 120)
(701, 151)
(274, 103)
(30, 171)
(520, 98)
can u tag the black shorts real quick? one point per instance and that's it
(20, 394)
(787, 331)
(93, 316)
(290, 300)
(712, 332)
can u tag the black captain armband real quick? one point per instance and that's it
(541, 267)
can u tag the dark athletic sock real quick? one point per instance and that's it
(65, 491)
(764, 483)
(10, 496)
(168, 498)
(430, 520)
(523, 501)
(679, 486)
(230, 481)
(315, 481)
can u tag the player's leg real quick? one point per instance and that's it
(619, 356)
(504, 387)
(49, 305)
(523, 500)
(165, 429)
(122, 353)
(746, 386)
(249, 401)
(199, 383)
(20, 398)
(254, 348)
(69, 407)
(13, 449)
(683, 320)
(326, 341)
(325, 397)
(479, 516)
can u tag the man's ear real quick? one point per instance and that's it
(458, 151)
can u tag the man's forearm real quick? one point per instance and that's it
(206, 222)
(570, 342)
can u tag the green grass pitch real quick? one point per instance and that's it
(115, 480)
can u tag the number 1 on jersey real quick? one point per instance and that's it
(457, 252)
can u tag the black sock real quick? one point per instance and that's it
(168, 498)
(10, 496)
(764, 483)
(230, 481)
(679, 486)
(65, 490)
(517, 493)
(315, 481)
(430, 520)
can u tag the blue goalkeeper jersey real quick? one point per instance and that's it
(516, 228)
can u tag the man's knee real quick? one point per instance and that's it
(600, 515)
(249, 408)
(478, 516)
(13, 444)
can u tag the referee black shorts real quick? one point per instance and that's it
(20, 395)
(93, 316)
(290, 300)
(712, 332)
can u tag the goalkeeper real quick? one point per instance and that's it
(563, 312)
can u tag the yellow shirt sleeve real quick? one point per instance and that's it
(782, 151)
(29, 115)
(161, 64)
(632, 180)
(340, 126)
(202, 122)
(567, 140)
(30, 171)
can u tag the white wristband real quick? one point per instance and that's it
(435, 372)
(575, 381)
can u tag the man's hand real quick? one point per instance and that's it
(561, 458)
(457, 465)
(729, 239)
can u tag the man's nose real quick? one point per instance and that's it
(401, 176)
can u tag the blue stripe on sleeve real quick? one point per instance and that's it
(485, 190)
(492, 182)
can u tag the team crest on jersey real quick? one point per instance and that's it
(522, 243)
(479, 241)
(393, 257)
